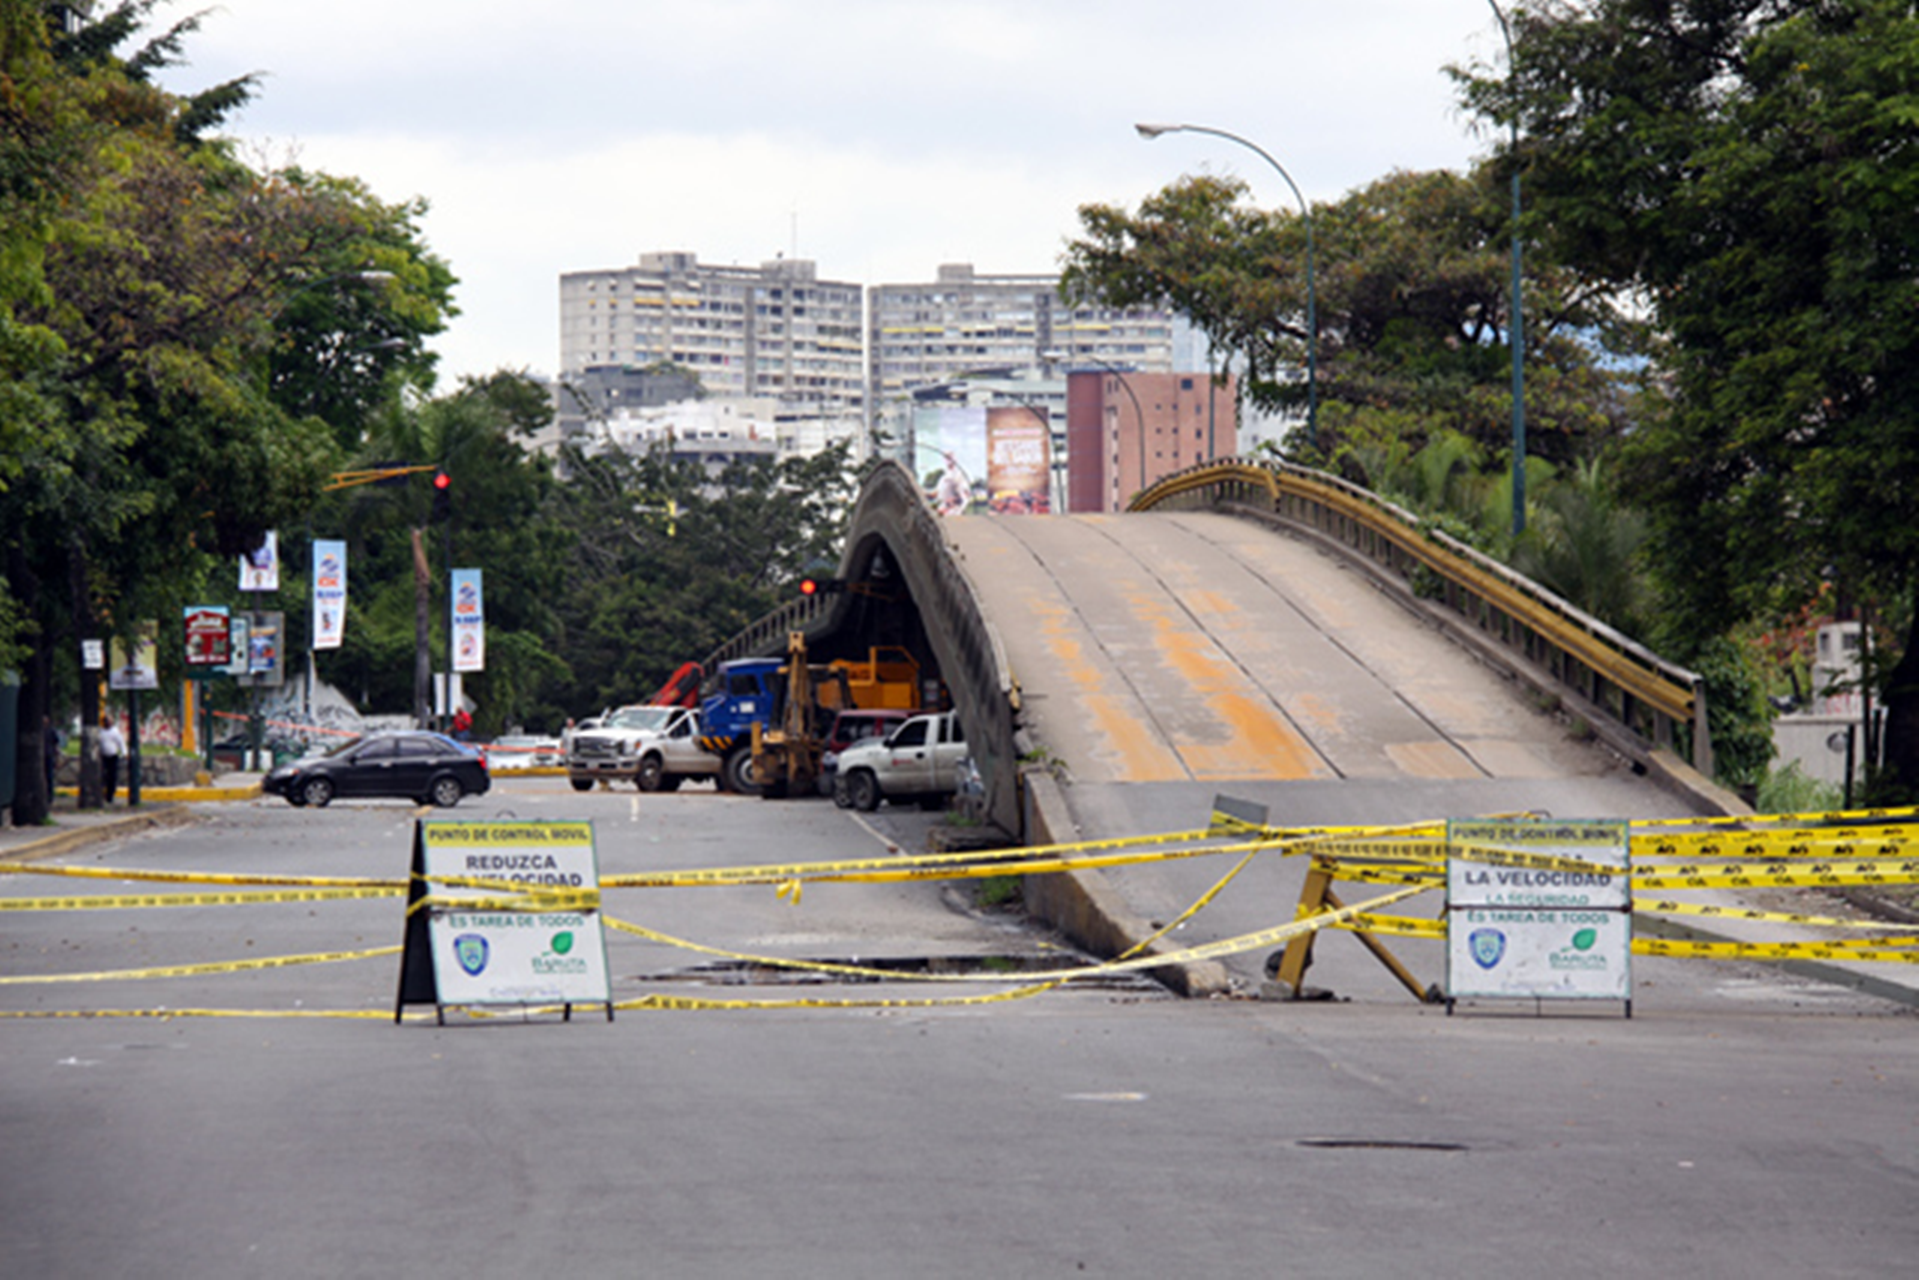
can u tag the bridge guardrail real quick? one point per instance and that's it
(1607, 672)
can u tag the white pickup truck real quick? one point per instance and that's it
(656, 748)
(919, 760)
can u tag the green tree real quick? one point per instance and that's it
(1747, 169)
(666, 559)
(1410, 276)
(143, 271)
(354, 311)
(499, 500)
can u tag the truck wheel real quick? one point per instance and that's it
(581, 784)
(864, 790)
(736, 774)
(651, 772)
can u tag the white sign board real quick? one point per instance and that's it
(1564, 954)
(493, 953)
(1539, 908)
(1498, 863)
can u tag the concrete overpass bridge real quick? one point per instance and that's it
(1262, 631)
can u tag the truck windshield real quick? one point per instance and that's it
(638, 718)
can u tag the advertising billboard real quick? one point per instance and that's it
(1018, 449)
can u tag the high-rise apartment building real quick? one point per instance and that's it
(964, 323)
(775, 330)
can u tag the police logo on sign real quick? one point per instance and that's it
(1488, 945)
(470, 950)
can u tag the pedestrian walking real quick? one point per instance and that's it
(113, 745)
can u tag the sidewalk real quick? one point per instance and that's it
(71, 827)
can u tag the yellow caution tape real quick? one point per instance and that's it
(192, 970)
(197, 877)
(1769, 951)
(120, 901)
(526, 903)
(1400, 926)
(1770, 875)
(1672, 907)
(1789, 843)
(1365, 873)
(1794, 819)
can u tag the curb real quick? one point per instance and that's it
(197, 795)
(1086, 907)
(110, 829)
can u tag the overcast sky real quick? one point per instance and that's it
(879, 138)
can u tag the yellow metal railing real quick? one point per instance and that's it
(1610, 673)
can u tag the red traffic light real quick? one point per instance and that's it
(808, 587)
(442, 481)
(820, 586)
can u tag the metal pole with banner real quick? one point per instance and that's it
(1538, 908)
(504, 913)
(469, 623)
(329, 594)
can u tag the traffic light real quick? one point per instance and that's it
(442, 496)
(821, 586)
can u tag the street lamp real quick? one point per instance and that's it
(1139, 415)
(1151, 131)
(1518, 326)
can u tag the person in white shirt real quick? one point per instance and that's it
(113, 745)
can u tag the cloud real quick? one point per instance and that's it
(878, 137)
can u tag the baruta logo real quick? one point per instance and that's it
(556, 959)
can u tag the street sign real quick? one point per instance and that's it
(504, 913)
(208, 635)
(1538, 908)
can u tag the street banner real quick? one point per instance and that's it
(259, 659)
(1017, 448)
(329, 594)
(469, 622)
(260, 567)
(135, 665)
(209, 635)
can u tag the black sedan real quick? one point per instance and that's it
(427, 767)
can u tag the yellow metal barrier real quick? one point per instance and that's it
(1674, 695)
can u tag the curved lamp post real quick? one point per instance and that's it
(1517, 325)
(1151, 131)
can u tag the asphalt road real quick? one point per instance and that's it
(1738, 1125)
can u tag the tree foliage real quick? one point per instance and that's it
(1409, 277)
(668, 558)
(1750, 169)
(144, 275)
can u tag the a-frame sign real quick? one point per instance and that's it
(503, 913)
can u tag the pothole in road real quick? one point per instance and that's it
(748, 973)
